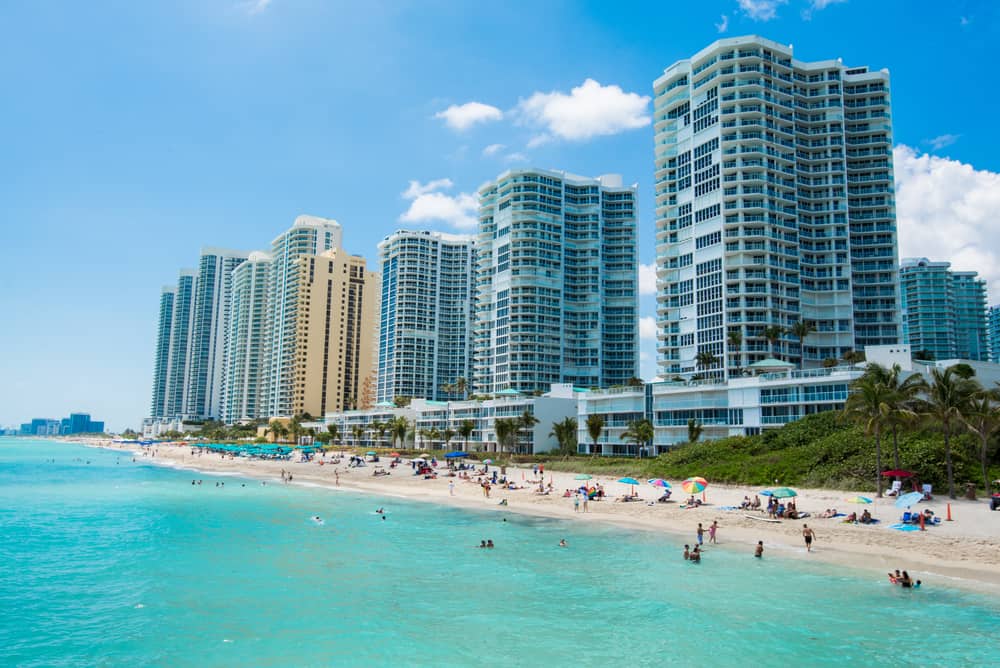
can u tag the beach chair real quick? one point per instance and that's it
(926, 489)
(897, 485)
(907, 517)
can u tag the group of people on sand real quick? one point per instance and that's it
(903, 579)
(750, 505)
(779, 510)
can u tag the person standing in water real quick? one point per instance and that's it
(711, 531)
(759, 550)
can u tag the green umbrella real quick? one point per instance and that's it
(780, 492)
(582, 476)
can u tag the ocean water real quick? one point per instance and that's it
(106, 562)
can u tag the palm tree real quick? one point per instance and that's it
(525, 422)
(640, 432)
(983, 420)
(380, 428)
(869, 405)
(801, 330)
(705, 359)
(735, 340)
(564, 432)
(465, 429)
(506, 430)
(278, 431)
(773, 334)
(461, 386)
(595, 426)
(901, 403)
(295, 428)
(334, 430)
(358, 431)
(946, 402)
(447, 435)
(398, 429)
(694, 430)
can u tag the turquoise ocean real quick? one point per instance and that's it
(106, 562)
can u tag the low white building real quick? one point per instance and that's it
(424, 416)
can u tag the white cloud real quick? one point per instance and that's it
(416, 189)
(946, 210)
(589, 110)
(515, 157)
(464, 116)
(939, 142)
(431, 205)
(257, 6)
(493, 149)
(647, 279)
(539, 140)
(819, 5)
(647, 328)
(761, 10)
(723, 25)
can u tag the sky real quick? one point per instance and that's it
(134, 133)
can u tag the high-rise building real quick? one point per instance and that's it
(180, 344)
(209, 327)
(161, 358)
(309, 235)
(332, 360)
(425, 330)
(993, 333)
(244, 348)
(944, 311)
(556, 282)
(774, 206)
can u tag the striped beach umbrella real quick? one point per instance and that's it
(694, 485)
(659, 482)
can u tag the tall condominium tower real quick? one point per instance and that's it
(245, 341)
(944, 311)
(332, 365)
(993, 333)
(309, 235)
(161, 358)
(556, 282)
(774, 205)
(210, 323)
(180, 344)
(426, 321)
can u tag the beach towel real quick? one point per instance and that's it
(904, 527)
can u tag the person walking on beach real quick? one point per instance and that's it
(701, 534)
(711, 531)
(586, 502)
(336, 475)
(451, 488)
(809, 535)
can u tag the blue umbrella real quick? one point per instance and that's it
(456, 454)
(629, 481)
(908, 500)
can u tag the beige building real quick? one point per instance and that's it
(336, 333)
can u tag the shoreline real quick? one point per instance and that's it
(964, 554)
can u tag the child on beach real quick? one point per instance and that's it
(759, 550)
(711, 531)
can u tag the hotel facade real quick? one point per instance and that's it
(556, 282)
(774, 205)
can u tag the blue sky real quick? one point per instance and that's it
(133, 133)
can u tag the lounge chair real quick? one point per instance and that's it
(897, 485)
(907, 517)
(926, 489)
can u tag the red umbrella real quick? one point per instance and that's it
(897, 473)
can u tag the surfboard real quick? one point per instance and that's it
(762, 519)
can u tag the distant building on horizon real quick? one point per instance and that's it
(556, 282)
(774, 205)
(76, 423)
(425, 326)
(944, 311)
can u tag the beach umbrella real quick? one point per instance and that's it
(456, 454)
(487, 461)
(394, 454)
(897, 473)
(780, 492)
(659, 482)
(371, 453)
(858, 499)
(694, 485)
(907, 500)
(582, 476)
(629, 481)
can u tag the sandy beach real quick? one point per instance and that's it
(963, 553)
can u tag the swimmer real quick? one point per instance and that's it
(482, 544)
(759, 551)
(562, 543)
(317, 519)
(379, 511)
(489, 543)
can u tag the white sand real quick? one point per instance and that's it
(964, 552)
